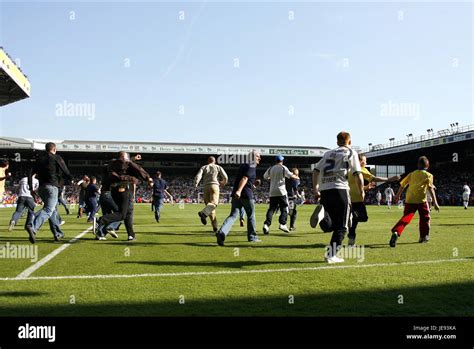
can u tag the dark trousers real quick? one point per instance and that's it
(92, 207)
(281, 203)
(359, 214)
(24, 202)
(124, 201)
(337, 205)
(292, 211)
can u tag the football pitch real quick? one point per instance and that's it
(175, 268)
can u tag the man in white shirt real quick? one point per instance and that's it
(212, 175)
(24, 201)
(331, 185)
(278, 194)
(378, 197)
(465, 195)
(389, 194)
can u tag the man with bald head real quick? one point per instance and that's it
(211, 175)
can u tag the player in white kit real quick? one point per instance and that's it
(330, 183)
(389, 194)
(378, 197)
(466, 193)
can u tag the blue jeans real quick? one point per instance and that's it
(92, 207)
(49, 196)
(22, 203)
(158, 204)
(108, 205)
(242, 213)
(249, 206)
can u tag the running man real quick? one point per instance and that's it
(25, 200)
(82, 184)
(292, 185)
(159, 191)
(389, 193)
(91, 199)
(49, 168)
(419, 182)
(378, 197)
(122, 175)
(330, 183)
(278, 194)
(212, 175)
(242, 196)
(465, 195)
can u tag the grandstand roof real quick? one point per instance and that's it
(156, 147)
(14, 85)
(446, 136)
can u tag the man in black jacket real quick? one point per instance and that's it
(49, 169)
(122, 174)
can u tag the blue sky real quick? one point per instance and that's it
(153, 77)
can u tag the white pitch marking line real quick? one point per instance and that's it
(28, 271)
(232, 272)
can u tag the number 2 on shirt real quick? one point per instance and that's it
(328, 170)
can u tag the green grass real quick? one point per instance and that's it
(181, 244)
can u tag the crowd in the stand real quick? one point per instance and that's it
(448, 189)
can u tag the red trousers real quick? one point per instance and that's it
(408, 213)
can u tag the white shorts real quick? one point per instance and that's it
(465, 197)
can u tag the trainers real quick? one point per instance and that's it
(334, 259)
(11, 226)
(220, 236)
(284, 228)
(131, 238)
(31, 233)
(266, 229)
(203, 218)
(255, 239)
(112, 233)
(58, 236)
(292, 228)
(62, 222)
(393, 239)
(352, 242)
(424, 239)
(101, 238)
(317, 216)
(242, 222)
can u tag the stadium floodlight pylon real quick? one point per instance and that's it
(14, 85)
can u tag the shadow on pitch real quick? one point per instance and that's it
(448, 299)
(236, 264)
(22, 294)
(386, 245)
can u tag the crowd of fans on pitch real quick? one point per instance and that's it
(448, 189)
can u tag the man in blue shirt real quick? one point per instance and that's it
(159, 192)
(242, 196)
(91, 199)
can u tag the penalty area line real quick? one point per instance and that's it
(25, 274)
(227, 272)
